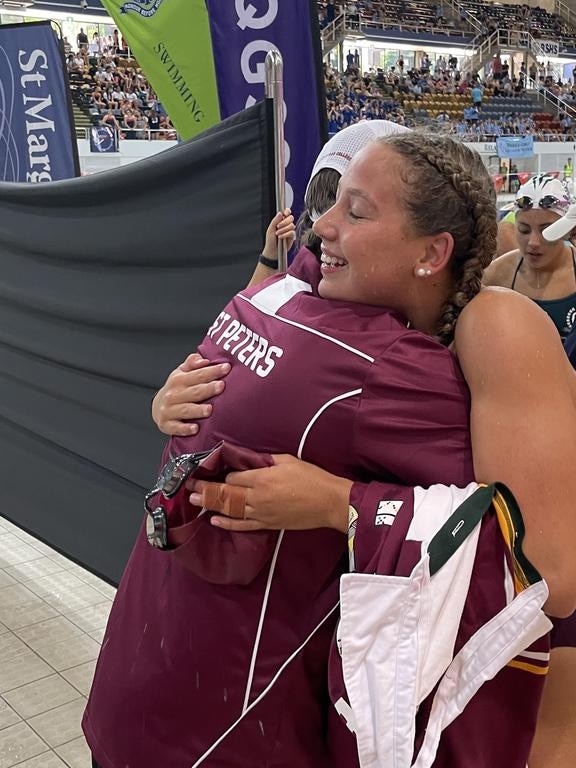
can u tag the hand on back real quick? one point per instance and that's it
(181, 402)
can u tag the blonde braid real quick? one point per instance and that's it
(461, 200)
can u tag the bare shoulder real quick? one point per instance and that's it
(501, 270)
(502, 328)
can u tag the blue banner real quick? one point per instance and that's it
(37, 141)
(515, 146)
(103, 138)
(243, 31)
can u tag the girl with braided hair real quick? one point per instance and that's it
(199, 669)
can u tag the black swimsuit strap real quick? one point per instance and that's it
(518, 267)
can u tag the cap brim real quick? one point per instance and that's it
(560, 229)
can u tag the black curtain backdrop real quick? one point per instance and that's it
(106, 283)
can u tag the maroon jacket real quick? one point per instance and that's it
(194, 672)
(496, 727)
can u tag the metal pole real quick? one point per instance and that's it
(274, 67)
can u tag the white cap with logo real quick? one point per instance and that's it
(341, 148)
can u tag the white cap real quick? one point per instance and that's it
(341, 148)
(540, 187)
(560, 229)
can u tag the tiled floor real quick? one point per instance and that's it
(52, 617)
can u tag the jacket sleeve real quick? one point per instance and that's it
(412, 429)
(379, 519)
(412, 422)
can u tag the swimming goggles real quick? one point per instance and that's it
(525, 202)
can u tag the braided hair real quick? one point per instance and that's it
(448, 189)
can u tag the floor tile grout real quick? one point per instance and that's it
(79, 756)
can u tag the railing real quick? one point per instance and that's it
(490, 138)
(548, 100)
(565, 12)
(417, 28)
(481, 50)
(333, 33)
(135, 134)
(473, 24)
(348, 23)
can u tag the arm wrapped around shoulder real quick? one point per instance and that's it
(523, 423)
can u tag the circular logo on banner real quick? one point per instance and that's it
(146, 8)
(103, 139)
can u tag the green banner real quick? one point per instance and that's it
(171, 41)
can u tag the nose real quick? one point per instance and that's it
(324, 226)
(535, 238)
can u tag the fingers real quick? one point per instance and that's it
(193, 362)
(285, 228)
(249, 478)
(285, 458)
(230, 524)
(226, 499)
(202, 375)
(195, 386)
(178, 428)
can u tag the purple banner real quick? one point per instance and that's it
(243, 31)
(37, 143)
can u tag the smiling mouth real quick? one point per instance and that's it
(331, 263)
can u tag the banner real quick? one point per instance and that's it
(108, 282)
(546, 47)
(37, 139)
(103, 138)
(515, 146)
(171, 40)
(242, 35)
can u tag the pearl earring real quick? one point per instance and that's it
(421, 272)
(428, 272)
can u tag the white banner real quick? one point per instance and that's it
(546, 47)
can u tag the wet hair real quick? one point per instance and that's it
(448, 189)
(320, 196)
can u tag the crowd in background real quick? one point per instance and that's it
(107, 82)
(403, 95)
(479, 17)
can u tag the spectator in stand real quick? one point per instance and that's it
(110, 119)
(154, 124)
(330, 11)
(476, 94)
(98, 100)
(82, 40)
(497, 66)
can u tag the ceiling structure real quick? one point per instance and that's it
(93, 7)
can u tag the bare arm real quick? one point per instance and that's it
(501, 271)
(280, 228)
(555, 742)
(523, 424)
